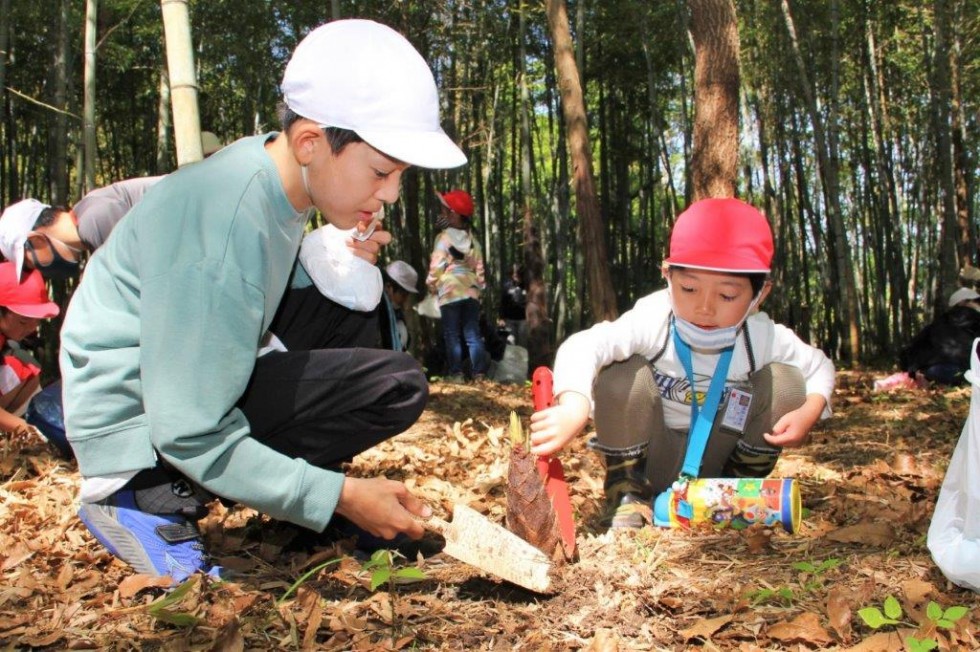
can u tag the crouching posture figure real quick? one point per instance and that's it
(649, 372)
(166, 401)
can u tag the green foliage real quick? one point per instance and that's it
(305, 576)
(383, 571)
(783, 595)
(161, 609)
(875, 619)
(870, 68)
(811, 579)
(891, 614)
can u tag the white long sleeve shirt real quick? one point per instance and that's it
(645, 330)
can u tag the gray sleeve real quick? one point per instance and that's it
(99, 211)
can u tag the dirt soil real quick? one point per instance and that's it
(869, 479)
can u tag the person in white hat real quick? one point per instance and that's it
(53, 239)
(401, 282)
(166, 403)
(964, 296)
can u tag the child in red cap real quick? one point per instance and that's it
(759, 388)
(23, 304)
(456, 278)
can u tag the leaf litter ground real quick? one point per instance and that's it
(869, 477)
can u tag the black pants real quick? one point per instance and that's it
(332, 395)
(306, 320)
(328, 405)
(328, 398)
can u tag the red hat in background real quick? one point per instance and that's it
(458, 201)
(28, 297)
(724, 235)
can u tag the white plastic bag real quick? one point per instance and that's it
(954, 533)
(429, 307)
(512, 368)
(337, 273)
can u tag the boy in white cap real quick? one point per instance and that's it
(759, 388)
(52, 239)
(163, 390)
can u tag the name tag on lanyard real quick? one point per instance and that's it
(737, 411)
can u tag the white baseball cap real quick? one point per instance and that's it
(364, 76)
(404, 275)
(962, 294)
(16, 223)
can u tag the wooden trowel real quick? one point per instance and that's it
(474, 539)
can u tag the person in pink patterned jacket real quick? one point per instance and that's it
(456, 278)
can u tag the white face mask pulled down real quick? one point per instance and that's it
(713, 339)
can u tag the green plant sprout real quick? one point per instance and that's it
(815, 572)
(891, 614)
(305, 576)
(160, 609)
(812, 580)
(383, 571)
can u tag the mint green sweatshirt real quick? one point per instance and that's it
(160, 338)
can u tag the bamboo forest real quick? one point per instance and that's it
(177, 474)
(855, 136)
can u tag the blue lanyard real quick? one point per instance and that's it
(396, 340)
(701, 419)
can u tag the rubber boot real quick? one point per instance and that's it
(627, 491)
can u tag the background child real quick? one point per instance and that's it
(633, 368)
(22, 307)
(456, 277)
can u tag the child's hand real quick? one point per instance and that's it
(554, 427)
(383, 507)
(792, 429)
(369, 248)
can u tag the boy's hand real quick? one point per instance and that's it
(369, 248)
(555, 426)
(792, 429)
(383, 507)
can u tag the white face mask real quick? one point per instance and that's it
(701, 338)
(711, 339)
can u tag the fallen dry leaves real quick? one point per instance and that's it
(869, 480)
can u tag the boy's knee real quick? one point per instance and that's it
(628, 408)
(778, 389)
(412, 385)
(623, 382)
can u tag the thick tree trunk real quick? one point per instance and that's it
(601, 295)
(714, 161)
(183, 81)
(88, 109)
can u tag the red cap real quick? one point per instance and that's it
(458, 201)
(724, 235)
(29, 298)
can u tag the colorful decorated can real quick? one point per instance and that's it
(730, 502)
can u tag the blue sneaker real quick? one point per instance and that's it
(154, 544)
